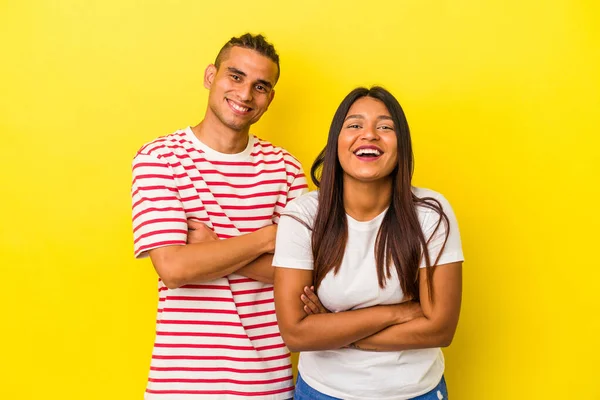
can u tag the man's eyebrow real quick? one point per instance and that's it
(236, 71)
(242, 73)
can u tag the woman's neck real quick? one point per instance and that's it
(363, 201)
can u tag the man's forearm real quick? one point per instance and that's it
(261, 269)
(206, 261)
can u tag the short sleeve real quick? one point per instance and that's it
(298, 186)
(452, 251)
(296, 179)
(157, 213)
(293, 243)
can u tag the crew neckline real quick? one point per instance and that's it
(366, 225)
(212, 153)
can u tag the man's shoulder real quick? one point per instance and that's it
(265, 148)
(164, 145)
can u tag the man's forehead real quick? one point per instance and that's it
(250, 62)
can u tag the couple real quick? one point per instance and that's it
(367, 277)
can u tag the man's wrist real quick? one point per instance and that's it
(265, 240)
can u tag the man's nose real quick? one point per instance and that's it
(245, 92)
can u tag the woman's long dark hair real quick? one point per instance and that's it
(400, 239)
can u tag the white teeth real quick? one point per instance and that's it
(362, 152)
(238, 108)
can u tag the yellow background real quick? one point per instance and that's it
(503, 99)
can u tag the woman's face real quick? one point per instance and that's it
(367, 144)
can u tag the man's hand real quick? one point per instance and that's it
(206, 257)
(259, 269)
(199, 232)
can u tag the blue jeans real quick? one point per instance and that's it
(305, 392)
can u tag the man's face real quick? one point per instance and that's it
(241, 90)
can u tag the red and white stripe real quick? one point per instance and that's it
(216, 339)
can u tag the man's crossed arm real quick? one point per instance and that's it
(205, 257)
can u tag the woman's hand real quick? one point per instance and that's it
(403, 312)
(312, 304)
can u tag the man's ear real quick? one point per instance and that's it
(271, 96)
(209, 75)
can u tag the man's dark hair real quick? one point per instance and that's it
(257, 43)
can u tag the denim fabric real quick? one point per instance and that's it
(305, 392)
(440, 392)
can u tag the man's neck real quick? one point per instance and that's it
(221, 138)
(363, 201)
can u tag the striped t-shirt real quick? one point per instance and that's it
(218, 339)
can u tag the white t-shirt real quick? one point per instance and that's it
(350, 373)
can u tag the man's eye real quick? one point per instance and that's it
(260, 88)
(235, 77)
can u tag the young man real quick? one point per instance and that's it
(205, 201)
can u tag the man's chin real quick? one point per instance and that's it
(239, 127)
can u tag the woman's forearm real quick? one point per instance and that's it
(420, 333)
(336, 330)
(440, 317)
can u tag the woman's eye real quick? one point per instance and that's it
(354, 126)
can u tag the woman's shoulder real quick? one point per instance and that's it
(305, 205)
(427, 195)
(425, 192)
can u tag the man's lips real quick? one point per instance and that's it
(238, 108)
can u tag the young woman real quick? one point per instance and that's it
(383, 257)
